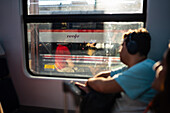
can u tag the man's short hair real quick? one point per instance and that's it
(142, 39)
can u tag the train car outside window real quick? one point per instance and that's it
(77, 38)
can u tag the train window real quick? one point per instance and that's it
(84, 6)
(77, 38)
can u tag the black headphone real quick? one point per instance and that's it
(131, 45)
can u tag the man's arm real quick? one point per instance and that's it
(104, 85)
(84, 87)
(104, 74)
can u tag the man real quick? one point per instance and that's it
(134, 84)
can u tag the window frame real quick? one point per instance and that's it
(137, 17)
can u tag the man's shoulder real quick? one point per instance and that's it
(144, 67)
(148, 63)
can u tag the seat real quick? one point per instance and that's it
(8, 96)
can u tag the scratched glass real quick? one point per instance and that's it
(75, 49)
(41, 7)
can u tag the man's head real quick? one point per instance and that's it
(136, 44)
(138, 41)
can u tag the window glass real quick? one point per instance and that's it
(41, 7)
(76, 49)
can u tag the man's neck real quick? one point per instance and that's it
(136, 59)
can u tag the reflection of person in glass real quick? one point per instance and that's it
(91, 48)
(91, 51)
(63, 62)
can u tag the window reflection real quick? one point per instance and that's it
(78, 49)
